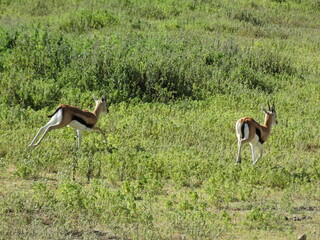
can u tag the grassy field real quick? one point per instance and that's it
(177, 75)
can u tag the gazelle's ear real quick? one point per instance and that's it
(94, 97)
(103, 99)
(264, 110)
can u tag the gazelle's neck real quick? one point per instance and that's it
(97, 110)
(268, 123)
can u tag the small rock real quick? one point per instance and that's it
(303, 237)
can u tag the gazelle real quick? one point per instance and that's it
(250, 131)
(80, 120)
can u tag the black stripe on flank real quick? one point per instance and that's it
(258, 132)
(83, 122)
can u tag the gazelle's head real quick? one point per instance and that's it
(101, 105)
(271, 114)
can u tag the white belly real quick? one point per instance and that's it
(76, 125)
(255, 140)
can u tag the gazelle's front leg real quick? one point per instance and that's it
(79, 135)
(260, 153)
(99, 130)
(253, 152)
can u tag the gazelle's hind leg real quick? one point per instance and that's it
(239, 152)
(54, 121)
(260, 153)
(242, 130)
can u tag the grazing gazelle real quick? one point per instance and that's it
(250, 131)
(80, 120)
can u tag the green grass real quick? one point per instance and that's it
(177, 75)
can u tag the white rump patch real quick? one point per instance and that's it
(246, 131)
(55, 119)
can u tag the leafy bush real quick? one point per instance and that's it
(125, 66)
(264, 219)
(86, 20)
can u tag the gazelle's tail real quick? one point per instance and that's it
(57, 109)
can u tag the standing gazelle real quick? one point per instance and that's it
(250, 131)
(80, 120)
